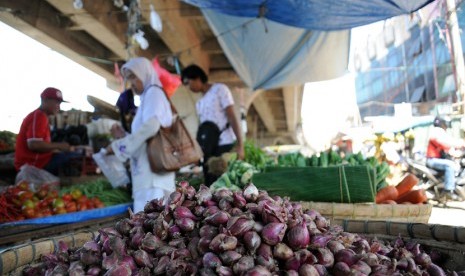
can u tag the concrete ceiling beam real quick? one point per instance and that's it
(178, 33)
(96, 19)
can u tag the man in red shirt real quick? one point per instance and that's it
(33, 143)
(441, 144)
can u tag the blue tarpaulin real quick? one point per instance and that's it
(276, 55)
(277, 43)
(323, 15)
(75, 216)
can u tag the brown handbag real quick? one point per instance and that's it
(172, 147)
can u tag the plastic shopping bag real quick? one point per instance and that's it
(36, 178)
(113, 169)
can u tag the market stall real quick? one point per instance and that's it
(246, 232)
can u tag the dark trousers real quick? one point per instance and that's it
(210, 178)
(61, 161)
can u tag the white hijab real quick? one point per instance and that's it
(143, 69)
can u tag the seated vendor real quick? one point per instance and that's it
(33, 143)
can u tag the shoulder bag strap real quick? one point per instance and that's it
(173, 109)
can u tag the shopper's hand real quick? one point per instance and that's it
(240, 153)
(109, 150)
(117, 131)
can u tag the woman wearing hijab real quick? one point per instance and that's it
(153, 112)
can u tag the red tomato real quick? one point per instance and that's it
(42, 193)
(47, 212)
(67, 197)
(82, 206)
(25, 195)
(71, 207)
(82, 199)
(59, 210)
(53, 194)
(29, 212)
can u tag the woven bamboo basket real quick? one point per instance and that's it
(449, 240)
(370, 211)
(14, 259)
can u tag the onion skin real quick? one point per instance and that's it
(292, 273)
(208, 231)
(298, 237)
(160, 268)
(321, 269)
(334, 246)
(218, 218)
(120, 270)
(183, 212)
(230, 257)
(341, 269)
(370, 259)
(258, 271)
(266, 261)
(308, 270)
(203, 195)
(252, 241)
(203, 245)
(293, 264)
(423, 259)
(223, 242)
(282, 252)
(325, 257)
(224, 271)
(273, 233)
(237, 226)
(185, 224)
(123, 227)
(250, 193)
(265, 250)
(93, 271)
(143, 259)
(346, 256)
(361, 267)
(435, 270)
(239, 200)
(207, 272)
(192, 247)
(211, 260)
(243, 265)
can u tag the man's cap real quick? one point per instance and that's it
(52, 93)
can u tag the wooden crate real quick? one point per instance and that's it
(14, 259)
(371, 211)
(449, 240)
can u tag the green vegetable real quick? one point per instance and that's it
(102, 189)
(314, 160)
(323, 159)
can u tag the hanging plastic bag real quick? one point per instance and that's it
(113, 169)
(170, 82)
(36, 178)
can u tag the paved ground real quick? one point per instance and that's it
(452, 214)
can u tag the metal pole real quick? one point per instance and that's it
(433, 52)
(456, 49)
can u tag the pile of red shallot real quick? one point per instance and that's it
(234, 233)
